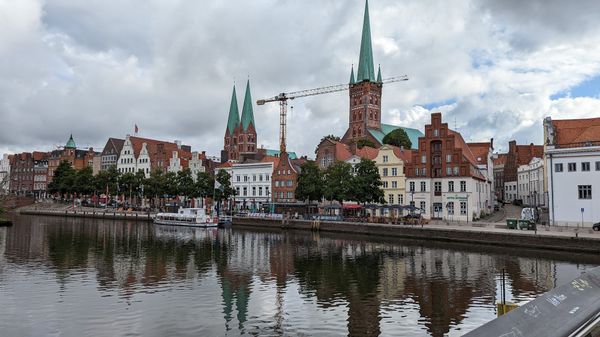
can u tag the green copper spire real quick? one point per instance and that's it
(366, 70)
(247, 111)
(70, 143)
(234, 116)
(379, 74)
(352, 81)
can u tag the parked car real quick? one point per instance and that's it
(596, 226)
(518, 202)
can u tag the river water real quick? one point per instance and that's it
(83, 277)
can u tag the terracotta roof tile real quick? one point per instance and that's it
(480, 151)
(569, 131)
(501, 159)
(367, 152)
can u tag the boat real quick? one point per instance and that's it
(225, 220)
(192, 217)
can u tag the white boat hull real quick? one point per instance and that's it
(182, 223)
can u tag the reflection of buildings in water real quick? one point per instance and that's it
(391, 278)
(3, 231)
(529, 276)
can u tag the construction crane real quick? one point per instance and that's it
(283, 98)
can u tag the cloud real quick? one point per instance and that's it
(96, 68)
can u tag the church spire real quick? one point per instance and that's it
(366, 69)
(352, 81)
(70, 143)
(234, 116)
(247, 110)
(379, 74)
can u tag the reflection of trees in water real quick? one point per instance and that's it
(365, 274)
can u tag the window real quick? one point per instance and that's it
(436, 133)
(245, 191)
(448, 158)
(451, 186)
(463, 208)
(253, 191)
(598, 166)
(585, 191)
(254, 177)
(260, 191)
(394, 171)
(385, 172)
(422, 206)
(391, 199)
(423, 186)
(400, 199)
(572, 167)
(245, 178)
(385, 184)
(260, 177)
(463, 186)
(437, 186)
(416, 171)
(276, 183)
(423, 159)
(450, 207)
(412, 186)
(290, 183)
(394, 184)
(290, 195)
(423, 172)
(558, 167)
(385, 159)
(455, 170)
(585, 166)
(448, 171)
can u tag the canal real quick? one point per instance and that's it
(85, 277)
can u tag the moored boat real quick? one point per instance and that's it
(193, 217)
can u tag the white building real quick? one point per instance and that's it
(572, 158)
(134, 158)
(195, 164)
(252, 183)
(4, 174)
(146, 155)
(530, 180)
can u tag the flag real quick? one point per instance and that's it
(136, 128)
(217, 185)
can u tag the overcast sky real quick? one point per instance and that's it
(95, 68)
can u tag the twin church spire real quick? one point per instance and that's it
(234, 121)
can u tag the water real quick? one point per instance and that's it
(82, 277)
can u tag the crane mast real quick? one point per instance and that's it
(283, 97)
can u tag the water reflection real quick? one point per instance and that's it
(186, 281)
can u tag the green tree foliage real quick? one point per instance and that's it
(171, 186)
(366, 184)
(204, 185)
(127, 184)
(398, 138)
(310, 182)
(84, 181)
(225, 190)
(364, 142)
(185, 184)
(337, 181)
(154, 186)
(63, 180)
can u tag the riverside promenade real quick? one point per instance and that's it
(545, 237)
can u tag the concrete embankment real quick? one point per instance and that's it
(91, 214)
(477, 235)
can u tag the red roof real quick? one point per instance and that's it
(404, 154)
(569, 131)
(501, 160)
(367, 152)
(480, 151)
(342, 151)
(459, 143)
(527, 152)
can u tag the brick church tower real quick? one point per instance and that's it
(240, 133)
(365, 91)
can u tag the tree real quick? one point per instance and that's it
(225, 190)
(171, 186)
(204, 185)
(154, 186)
(366, 184)
(84, 181)
(127, 184)
(63, 179)
(337, 181)
(330, 137)
(310, 182)
(398, 138)
(364, 142)
(185, 184)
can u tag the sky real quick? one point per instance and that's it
(96, 68)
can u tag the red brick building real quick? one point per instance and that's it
(444, 179)
(77, 158)
(285, 178)
(21, 173)
(240, 140)
(517, 155)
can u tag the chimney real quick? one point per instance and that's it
(178, 143)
